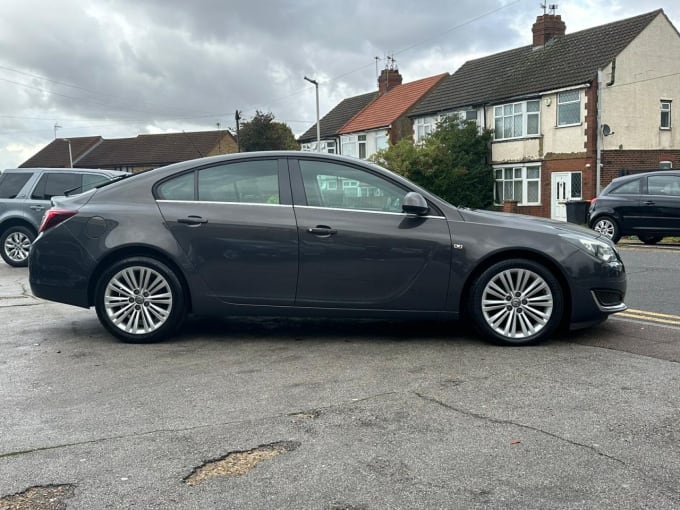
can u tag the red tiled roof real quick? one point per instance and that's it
(387, 108)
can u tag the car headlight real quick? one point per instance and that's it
(598, 249)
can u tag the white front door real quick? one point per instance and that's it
(560, 192)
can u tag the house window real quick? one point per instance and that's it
(665, 115)
(469, 115)
(381, 142)
(521, 184)
(665, 165)
(576, 185)
(423, 126)
(568, 108)
(362, 146)
(517, 120)
(349, 145)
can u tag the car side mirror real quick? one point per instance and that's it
(414, 203)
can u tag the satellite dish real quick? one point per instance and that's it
(606, 130)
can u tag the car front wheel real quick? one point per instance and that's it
(607, 227)
(16, 244)
(516, 302)
(140, 300)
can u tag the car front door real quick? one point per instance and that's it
(235, 223)
(660, 206)
(358, 249)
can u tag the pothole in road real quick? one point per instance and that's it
(47, 497)
(239, 462)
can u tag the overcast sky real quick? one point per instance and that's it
(118, 68)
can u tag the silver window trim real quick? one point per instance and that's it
(364, 211)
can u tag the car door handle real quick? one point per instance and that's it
(192, 220)
(37, 207)
(649, 202)
(322, 231)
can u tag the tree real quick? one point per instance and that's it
(451, 162)
(261, 133)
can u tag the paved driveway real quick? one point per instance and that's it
(332, 415)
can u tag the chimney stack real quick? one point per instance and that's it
(388, 79)
(547, 27)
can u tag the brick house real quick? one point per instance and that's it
(371, 121)
(569, 109)
(332, 122)
(132, 154)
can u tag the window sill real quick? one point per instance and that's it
(560, 126)
(665, 129)
(520, 139)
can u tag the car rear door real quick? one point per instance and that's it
(235, 223)
(358, 249)
(50, 184)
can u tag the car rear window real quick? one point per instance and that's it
(628, 188)
(11, 183)
(55, 185)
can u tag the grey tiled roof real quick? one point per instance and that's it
(565, 61)
(338, 117)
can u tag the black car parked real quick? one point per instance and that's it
(294, 233)
(644, 204)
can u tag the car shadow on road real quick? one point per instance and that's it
(332, 329)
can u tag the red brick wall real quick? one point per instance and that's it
(616, 161)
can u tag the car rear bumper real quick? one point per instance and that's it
(60, 270)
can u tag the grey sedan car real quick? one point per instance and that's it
(293, 233)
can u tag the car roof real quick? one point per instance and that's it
(54, 169)
(644, 174)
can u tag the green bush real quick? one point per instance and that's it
(452, 162)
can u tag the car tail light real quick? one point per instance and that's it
(54, 217)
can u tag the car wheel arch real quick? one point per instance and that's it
(137, 251)
(496, 257)
(17, 222)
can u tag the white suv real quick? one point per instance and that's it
(26, 193)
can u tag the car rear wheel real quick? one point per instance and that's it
(650, 239)
(516, 302)
(607, 227)
(140, 300)
(16, 243)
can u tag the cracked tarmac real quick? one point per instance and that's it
(333, 415)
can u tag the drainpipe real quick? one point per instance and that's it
(598, 127)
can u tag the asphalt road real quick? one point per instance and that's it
(653, 277)
(334, 414)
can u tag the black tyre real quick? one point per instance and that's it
(650, 239)
(516, 302)
(15, 244)
(140, 300)
(608, 227)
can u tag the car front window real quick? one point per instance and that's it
(663, 185)
(340, 186)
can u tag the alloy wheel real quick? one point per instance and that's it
(17, 246)
(138, 300)
(605, 227)
(517, 303)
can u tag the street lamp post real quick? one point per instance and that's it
(318, 128)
